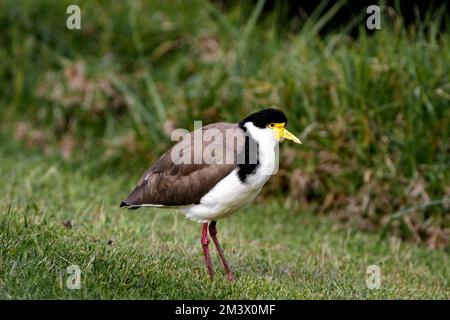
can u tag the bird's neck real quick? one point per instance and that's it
(261, 156)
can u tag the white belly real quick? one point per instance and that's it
(228, 196)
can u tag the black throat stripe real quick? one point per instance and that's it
(247, 163)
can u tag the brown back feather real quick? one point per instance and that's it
(169, 184)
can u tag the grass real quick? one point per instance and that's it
(276, 251)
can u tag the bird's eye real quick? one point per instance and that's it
(271, 125)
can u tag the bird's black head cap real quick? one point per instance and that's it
(262, 118)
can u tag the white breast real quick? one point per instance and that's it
(230, 194)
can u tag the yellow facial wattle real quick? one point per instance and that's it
(281, 132)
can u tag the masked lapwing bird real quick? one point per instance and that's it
(214, 171)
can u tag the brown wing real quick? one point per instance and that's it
(176, 179)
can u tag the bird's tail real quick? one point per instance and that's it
(125, 205)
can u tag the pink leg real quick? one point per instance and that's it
(205, 242)
(213, 233)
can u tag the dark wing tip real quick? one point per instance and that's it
(127, 206)
(123, 204)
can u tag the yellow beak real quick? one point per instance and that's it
(280, 132)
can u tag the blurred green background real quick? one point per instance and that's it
(372, 108)
(373, 111)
